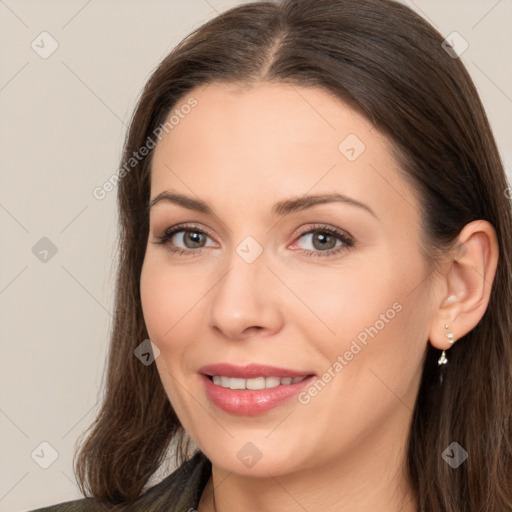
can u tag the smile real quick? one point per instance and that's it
(254, 383)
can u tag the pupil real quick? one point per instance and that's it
(323, 238)
(194, 237)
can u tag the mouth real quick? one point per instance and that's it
(253, 389)
(254, 383)
(252, 371)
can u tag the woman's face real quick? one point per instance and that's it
(264, 274)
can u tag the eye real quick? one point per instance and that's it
(321, 240)
(191, 238)
(325, 241)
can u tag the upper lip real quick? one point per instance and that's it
(250, 371)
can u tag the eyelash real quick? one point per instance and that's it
(348, 242)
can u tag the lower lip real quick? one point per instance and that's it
(251, 402)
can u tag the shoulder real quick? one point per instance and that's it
(178, 492)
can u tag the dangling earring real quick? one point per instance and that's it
(443, 359)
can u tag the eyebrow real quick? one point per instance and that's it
(280, 208)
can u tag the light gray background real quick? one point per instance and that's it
(62, 124)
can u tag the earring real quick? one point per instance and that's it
(443, 359)
(449, 335)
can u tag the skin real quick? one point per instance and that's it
(241, 151)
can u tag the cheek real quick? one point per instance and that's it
(168, 309)
(373, 312)
(373, 361)
(166, 296)
(343, 301)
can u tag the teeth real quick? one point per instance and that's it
(237, 383)
(272, 382)
(255, 383)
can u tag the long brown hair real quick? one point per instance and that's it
(386, 62)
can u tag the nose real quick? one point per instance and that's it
(245, 303)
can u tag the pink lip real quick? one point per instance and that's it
(250, 371)
(251, 402)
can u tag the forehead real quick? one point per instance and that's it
(275, 140)
(278, 117)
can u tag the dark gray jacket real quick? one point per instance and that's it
(179, 492)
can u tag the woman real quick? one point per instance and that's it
(316, 238)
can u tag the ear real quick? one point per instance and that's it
(467, 283)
